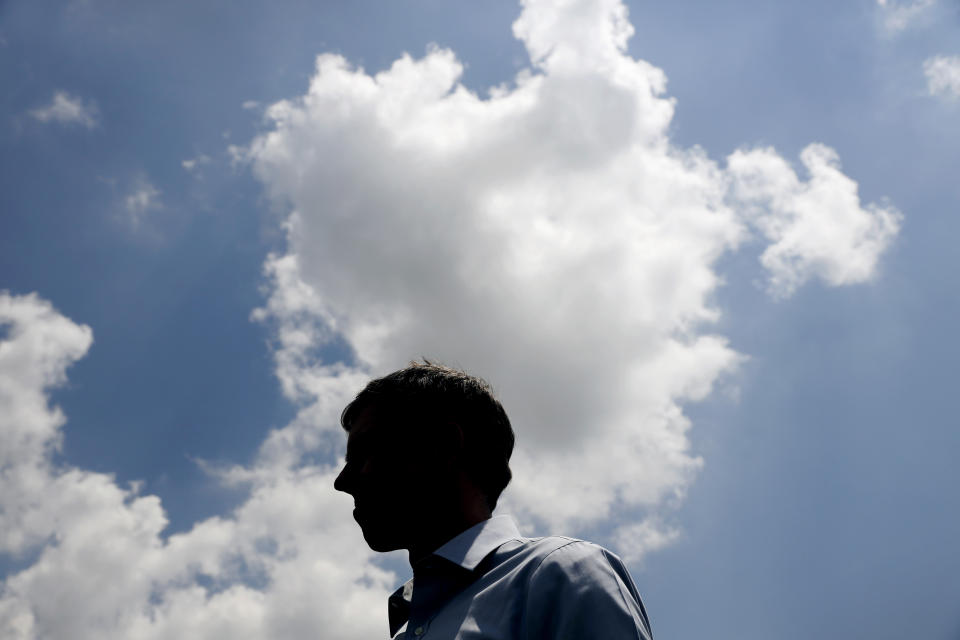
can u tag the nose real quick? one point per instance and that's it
(342, 483)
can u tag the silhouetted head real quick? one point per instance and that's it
(428, 451)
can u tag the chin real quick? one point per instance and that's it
(380, 542)
(380, 536)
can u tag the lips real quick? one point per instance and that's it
(361, 513)
(369, 511)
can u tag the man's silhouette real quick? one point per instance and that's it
(428, 451)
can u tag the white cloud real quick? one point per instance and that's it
(635, 540)
(287, 563)
(550, 238)
(943, 76)
(898, 15)
(817, 228)
(141, 198)
(250, 104)
(191, 164)
(38, 345)
(238, 155)
(67, 109)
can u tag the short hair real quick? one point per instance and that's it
(426, 394)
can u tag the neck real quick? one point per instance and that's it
(445, 530)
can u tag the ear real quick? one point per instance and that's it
(453, 446)
(446, 443)
(455, 432)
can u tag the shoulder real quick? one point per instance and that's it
(553, 561)
(559, 551)
(577, 560)
(581, 585)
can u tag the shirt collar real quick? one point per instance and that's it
(470, 547)
(467, 550)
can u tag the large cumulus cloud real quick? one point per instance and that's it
(547, 236)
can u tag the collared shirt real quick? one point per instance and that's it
(491, 583)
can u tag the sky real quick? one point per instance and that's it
(704, 252)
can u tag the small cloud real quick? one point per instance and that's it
(817, 227)
(238, 154)
(193, 163)
(143, 197)
(251, 104)
(943, 76)
(66, 109)
(898, 15)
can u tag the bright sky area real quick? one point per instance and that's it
(704, 251)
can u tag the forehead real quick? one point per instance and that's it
(363, 424)
(370, 429)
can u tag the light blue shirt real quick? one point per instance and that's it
(491, 583)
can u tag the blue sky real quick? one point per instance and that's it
(770, 357)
